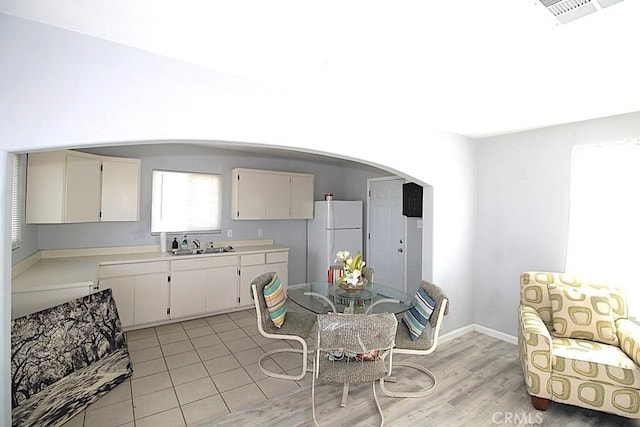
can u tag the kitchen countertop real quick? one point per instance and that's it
(55, 271)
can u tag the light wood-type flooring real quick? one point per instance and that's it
(480, 383)
(203, 372)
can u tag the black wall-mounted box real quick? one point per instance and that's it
(412, 200)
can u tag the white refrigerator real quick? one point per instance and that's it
(336, 226)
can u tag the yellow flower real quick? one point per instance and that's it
(352, 267)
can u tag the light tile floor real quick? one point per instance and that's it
(191, 372)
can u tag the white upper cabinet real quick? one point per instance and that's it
(71, 187)
(82, 201)
(262, 194)
(120, 189)
(302, 196)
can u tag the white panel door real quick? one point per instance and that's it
(221, 288)
(301, 197)
(122, 290)
(250, 196)
(277, 196)
(120, 190)
(386, 253)
(82, 200)
(282, 270)
(187, 293)
(151, 298)
(247, 274)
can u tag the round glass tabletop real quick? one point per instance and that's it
(323, 297)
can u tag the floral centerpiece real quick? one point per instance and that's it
(352, 277)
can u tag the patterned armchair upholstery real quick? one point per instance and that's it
(577, 345)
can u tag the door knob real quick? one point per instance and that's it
(400, 250)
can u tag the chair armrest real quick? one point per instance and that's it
(534, 346)
(629, 337)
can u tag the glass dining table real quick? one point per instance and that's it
(324, 297)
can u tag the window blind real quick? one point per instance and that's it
(183, 202)
(16, 206)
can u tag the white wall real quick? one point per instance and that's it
(62, 89)
(523, 209)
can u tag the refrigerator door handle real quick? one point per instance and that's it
(331, 243)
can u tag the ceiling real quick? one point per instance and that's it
(474, 68)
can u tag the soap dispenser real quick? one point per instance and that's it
(175, 244)
(185, 243)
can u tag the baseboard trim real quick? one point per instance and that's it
(496, 334)
(481, 329)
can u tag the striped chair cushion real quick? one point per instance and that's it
(276, 300)
(416, 319)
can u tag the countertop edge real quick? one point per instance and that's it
(85, 268)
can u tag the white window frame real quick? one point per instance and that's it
(16, 201)
(186, 202)
(604, 218)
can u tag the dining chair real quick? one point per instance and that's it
(367, 273)
(429, 298)
(353, 348)
(276, 322)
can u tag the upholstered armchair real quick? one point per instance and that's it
(577, 345)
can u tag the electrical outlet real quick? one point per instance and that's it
(229, 233)
(260, 232)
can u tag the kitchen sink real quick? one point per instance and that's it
(179, 252)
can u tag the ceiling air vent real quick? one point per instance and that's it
(569, 10)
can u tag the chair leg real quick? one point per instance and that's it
(420, 393)
(345, 393)
(540, 403)
(269, 373)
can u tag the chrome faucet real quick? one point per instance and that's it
(196, 243)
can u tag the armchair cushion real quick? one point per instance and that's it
(629, 337)
(276, 300)
(582, 312)
(592, 361)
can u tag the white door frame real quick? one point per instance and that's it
(387, 178)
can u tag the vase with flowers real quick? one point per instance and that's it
(352, 267)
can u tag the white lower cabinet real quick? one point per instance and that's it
(187, 293)
(203, 285)
(140, 290)
(157, 291)
(279, 263)
(122, 290)
(247, 274)
(150, 298)
(251, 266)
(221, 289)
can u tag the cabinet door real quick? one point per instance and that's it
(282, 270)
(221, 288)
(82, 200)
(120, 190)
(151, 298)
(45, 187)
(276, 195)
(249, 196)
(247, 274)
(187, 293)
(301, 196)
(123, 293)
